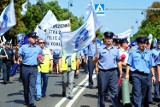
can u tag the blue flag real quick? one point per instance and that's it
(22, 39)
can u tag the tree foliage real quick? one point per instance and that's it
(152, 22)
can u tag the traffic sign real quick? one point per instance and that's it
(99, 9)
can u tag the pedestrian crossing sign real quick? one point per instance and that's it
(99, 9)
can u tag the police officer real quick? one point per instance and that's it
(28, 54)
(7, 61)
(140, 63)
(92, 48)
(107, 58)
(155, 54)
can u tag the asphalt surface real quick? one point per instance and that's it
(11, 94)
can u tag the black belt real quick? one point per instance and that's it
(29, 65)
(112, 69)
(139, 72)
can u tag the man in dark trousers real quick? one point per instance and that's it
(30, 55)
(8, 59)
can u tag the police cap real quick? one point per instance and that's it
(124, 40)
(108, 34)
(118, 41)
(32, 34)
(141, 40)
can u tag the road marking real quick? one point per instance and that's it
(64, 99)
(78, 94)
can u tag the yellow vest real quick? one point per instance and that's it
(65, 63)
(45, 67)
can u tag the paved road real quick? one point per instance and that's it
(11, 95)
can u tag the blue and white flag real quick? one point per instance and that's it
(7, 18)
(22, 39)
(80, 38)
(24, 8)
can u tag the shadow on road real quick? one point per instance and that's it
(17, 93)
(56, 95)
(16, 101)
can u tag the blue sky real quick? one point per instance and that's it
(117, 21)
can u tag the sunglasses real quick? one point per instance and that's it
(41, 42)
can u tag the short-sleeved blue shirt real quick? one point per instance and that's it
(29, 54)
(108, 57)
(141, 61)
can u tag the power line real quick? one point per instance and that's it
(155, 9)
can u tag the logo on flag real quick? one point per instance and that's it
(99, 9)
(83, 36)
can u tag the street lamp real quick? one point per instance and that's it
(70, 5)
(137, 23)
(132, 27)
(41, 6)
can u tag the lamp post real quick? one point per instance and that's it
(41, 6)
(137, 23)
(70, 4)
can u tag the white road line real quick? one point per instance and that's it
(78, 94)
(64, 99)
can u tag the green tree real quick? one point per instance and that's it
(151, 24)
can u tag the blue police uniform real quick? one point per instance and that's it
(108, 75)
(7, 62)
(140, 63)
(29, 56)
(156, 58)
(91, 53)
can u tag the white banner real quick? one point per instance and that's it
(53, 40)
(48, 20)
(126, 34)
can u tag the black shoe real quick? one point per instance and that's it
(156, 99)
(43, 96)
(63, 94)
(37, 99)
(4, 82)
(76, 76)
(31, 105)
(90, 86)
(70, 97)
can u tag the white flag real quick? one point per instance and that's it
(96, 21)
(150, 37)
(48, 21)
(7, 18)
(80, 38)
(24, 8)
(3, 39)
(155, 43)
